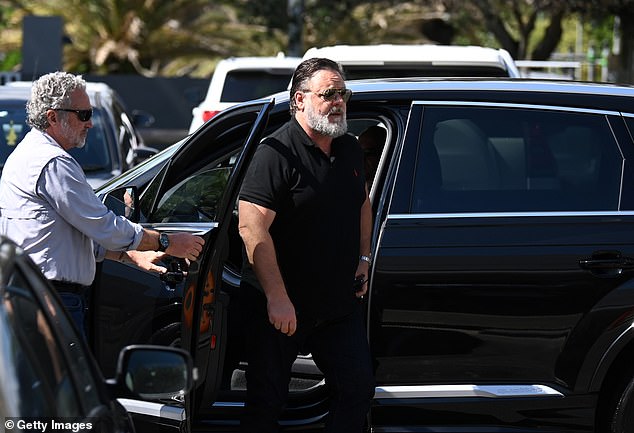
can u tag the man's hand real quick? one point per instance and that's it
(362, 272)
(282, 314)
(146, 260)
(185, 245)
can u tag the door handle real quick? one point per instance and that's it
(607, 263)
(174, 274)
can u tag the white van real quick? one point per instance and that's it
(428, 60)
(239, 79)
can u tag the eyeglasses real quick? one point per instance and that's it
(330, 95)
(83, 115)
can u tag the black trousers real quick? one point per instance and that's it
(340, 350)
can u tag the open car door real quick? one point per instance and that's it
(204, 310)
(194, 191)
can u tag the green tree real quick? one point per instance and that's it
(624, 11)
(514, 24)
(329, 22)
(153, 37)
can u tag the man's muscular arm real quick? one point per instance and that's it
(254, 223)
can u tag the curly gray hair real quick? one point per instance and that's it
(51, 91)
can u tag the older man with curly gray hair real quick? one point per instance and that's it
(49, 209)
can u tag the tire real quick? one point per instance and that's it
(620, 412)
(623, 420)
(169, 335)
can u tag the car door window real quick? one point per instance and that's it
(195, 198)
(505, 159)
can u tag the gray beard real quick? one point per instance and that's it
(320, 124)
(77, 140)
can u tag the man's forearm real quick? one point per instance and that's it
(365, 243)
(149, 241)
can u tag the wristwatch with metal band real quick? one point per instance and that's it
(164, 242)
(366, 259)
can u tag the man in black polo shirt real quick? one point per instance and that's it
(305, 219)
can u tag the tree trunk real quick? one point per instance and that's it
(551, 38)
(625, 69)
(295, 10)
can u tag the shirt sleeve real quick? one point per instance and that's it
(266, 180)
(64, 186)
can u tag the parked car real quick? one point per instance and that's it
(240, 79)
(113, 144)
(48, 372)
(422, 60)
(501, 297)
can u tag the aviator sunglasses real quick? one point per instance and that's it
(329, 95)
(83, 115)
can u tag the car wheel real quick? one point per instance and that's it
(621, 410)
(169, 335)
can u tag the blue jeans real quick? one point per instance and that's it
(73, 297)
(340, 350)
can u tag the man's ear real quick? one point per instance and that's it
(51, 116)
(299, 100)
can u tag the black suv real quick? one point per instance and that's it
(501, 296)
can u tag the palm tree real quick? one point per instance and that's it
(153, 37)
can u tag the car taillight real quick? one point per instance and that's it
(209, 114)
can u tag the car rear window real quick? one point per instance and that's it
(241, 85)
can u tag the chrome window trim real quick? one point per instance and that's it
(624, 114)
(519, 105)
(618, 145)
(401, 216)
(158, 410)
(456, 391)
(196, 228)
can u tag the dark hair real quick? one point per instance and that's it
(305, 71)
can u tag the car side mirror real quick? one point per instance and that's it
(142, 153)
(123, 202)
(153, 373)
(142, 119)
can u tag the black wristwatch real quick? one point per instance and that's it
(164, 242)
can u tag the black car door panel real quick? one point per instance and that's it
(503, 240)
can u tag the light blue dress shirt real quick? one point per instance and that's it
(48, 208)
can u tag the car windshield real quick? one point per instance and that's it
(243, 86)
(14, 127)
(95, 155)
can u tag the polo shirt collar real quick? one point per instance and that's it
(299, 132)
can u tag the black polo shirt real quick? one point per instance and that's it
(316, 229)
